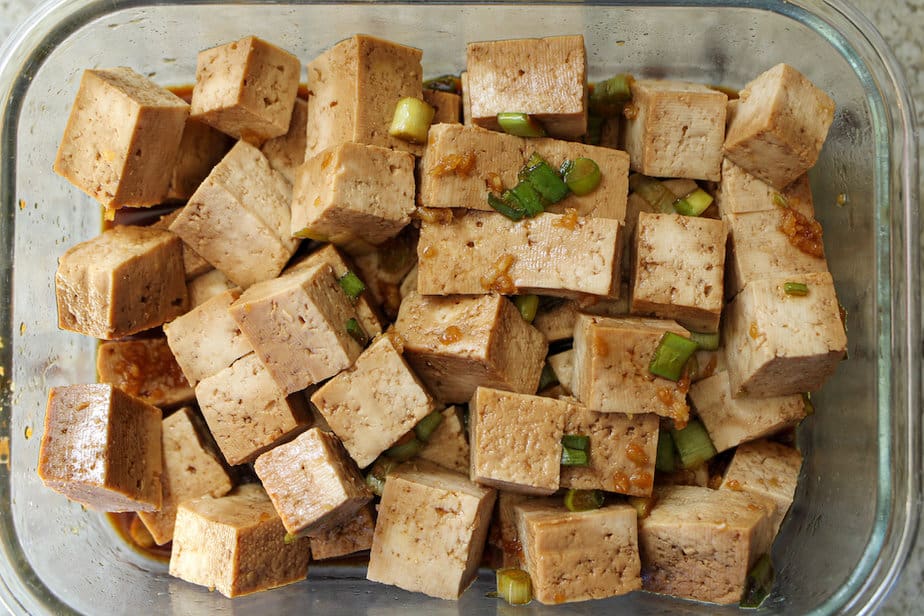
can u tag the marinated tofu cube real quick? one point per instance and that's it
(767, 469)
(448, 446)
(466, 99)
(563, 366)
(741, 192)
(675, 129)
(355, 86)
(447, 106)
(236, 544)
(731, 421)
(122, 138)
(696, 476)
(375, 402)
(456, 344)
(246, 411)
(543, 77)
(238, 219)
(780, 124)
(203, 288)
(353, 191)
(201, 148)
(576, 556)
(144, 368)
(287, 152)
(122, 282)
(555, 318)
(516, 440)
(409, 284)
(700, 544)
(246, 89)
(193, 263)
(778, 344)
(430, 515)
(384, 269)
(353, 536)
(678, 269)
(507, 536)
(708, 363)
(191, 469)
(101, 447)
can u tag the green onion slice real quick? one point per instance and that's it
(547, 378)
(759, 582)
(671, 355)
(694, 203)
(642, 504)
(576, 441)
(404, 451)
(780, 200)
(501, 206)
(520, 124)
(544, 179)
(375, 478)
(357, 332)
(290, 538)
(351, 285)
(608, 97)
(799, 289)
(574, 457)
(428, 425)
(412, 120)
(582, 175)
(807, 403)
(514, 586)
(527, 305)
(527, 197)
(654, 192)
(707, 342)
(664, 461)
(693, 444)
(583, 500)
(444, 83)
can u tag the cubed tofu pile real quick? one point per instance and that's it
(338, 342)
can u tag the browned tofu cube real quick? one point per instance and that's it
(203, 288)
(430, 515)
(246, 411)
(191, 469)
(576, 556)
(353, 536)
(546, 78)
(287, 152)
(675, 129)
(447, 106)
(355, 87)
(193, 263)
(741, 192)
(144, 368)
(201, 148)
(124, 281)
(101, 447)
(448, 445)
(122, 138)
(236, 544)
(246, 89)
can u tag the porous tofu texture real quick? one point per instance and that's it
(779, 127)
(203, 288)
(144, 368)
(287, 153)
(675, 129)
(740, 192)
(353, 536)
(247, 413)
(458, 343)
(544, 77)
(778, 344)
(313, 483)
(448, 445)
(193, 263)
(562, 365)
(102, 447)
(236, 544)
(576, 556)
(431, 530)
(122, 138)
(678, 269)
(516, 440)
(551, 254)
(124, 281)
(238, 219)
(699, 543)
(461, 164)
(447, 106)
(191, 469)
(374, 402)
(355, 86)
(201, 148)
(353, 191)
(246, 89)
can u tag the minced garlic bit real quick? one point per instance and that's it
(569, 220)
(500, 281)
(459, 164)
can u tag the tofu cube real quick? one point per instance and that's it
(675, 129)
(246, 89)
(778, 344)
(353, 191)
(562, 365)
(193, 263)
(506, 537)
(466, 99)
(238, 219)
(458, 343)
(429, 515)
(191, 469)
(678, 270)
(236, 544)
(353, 536)
(101, 447)
(741, 192)
(780, 124)
(206, 286)
(447, 106)
(122, 282)
(122, 138)
(576, 556)
(201, 148)
(555, 319)
(516, 440)
(543, 77)
(375, 402)
(247, 413)
(144, 368)
(355, 86)
(448, 445)
(287, 152)
(384, 269)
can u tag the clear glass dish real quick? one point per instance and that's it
(856, 511)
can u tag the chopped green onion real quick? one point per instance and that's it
(444, 83)
(548, 377)
(582, 175)
(693, 444)
(426, 426)
(514, 586)
(807, 403)
(351, 285)
(375, 478)
(694, 203)
(799, 289)
(412, 120)
(529, 200)
(609, 96)
(542, 177)
(501, 206)
(707, 342)
(583, 500)
(527, 305)
(404, 451)
(574, 457)
(780, 200)
(642, 504)
(594, 133)
(654, 192)
(759, 582)
(357, 332)
(664, 461)
(671, 356)
(290, 538)
(308, 234)
(520, 124)
(576, 441)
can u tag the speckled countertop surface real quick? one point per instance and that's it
(902, 24)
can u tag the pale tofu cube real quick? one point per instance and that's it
(246, 89)
(576, 556)
(447, 106)
(144, 368)
(122, 282)
(101, 447)
(122, 138)
(778, 344)
(767, 469)
(191, 469)
(430, 515)
(193, 263)
(448, 446)
(375, 402)
(563, 366)
(353, 536)
(675, 129)
(203, 288)
(201, 148)
(247, 413)
(544, 77)
(236, 544)
(636, 205)
(287, 152)
(740, 192)
(678, 270)
(466, 100)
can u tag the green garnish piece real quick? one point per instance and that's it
(351, 285)
(527, 305)
(502, 206)
(671, 356)
(357, 332)
(582, 175)
(583, 500)
(759, 583)
(404, 451)
(412, 120)
(514, 586)
(799, 289)
(807, 403)
(707, 342)
(528, 199)
(444, 83)
(574, 457)
(664, 460)
(608, 97)
(520, 124)
(426, 426)
(780, 200)
(693, 444)
(654, 192)
(379, 470)
(548, 377)
(694, 203)
(576, 441)
(544, 179)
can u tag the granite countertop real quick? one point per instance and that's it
(902, 24)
